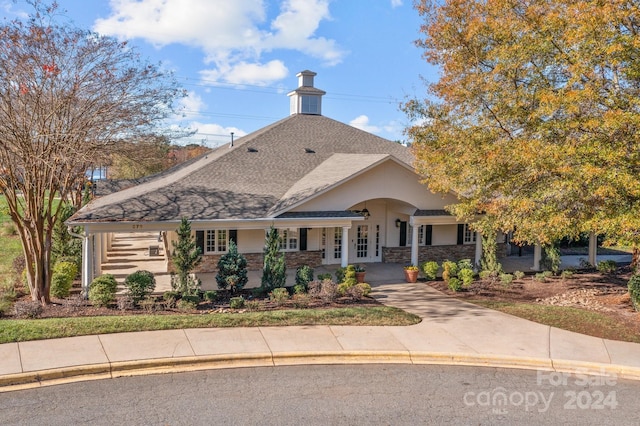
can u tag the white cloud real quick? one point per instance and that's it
(362, 122)
(233, 35)
(247, 73)
(396, 3)
(191, 105)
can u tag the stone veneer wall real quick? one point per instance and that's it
(255, 261)
(436, 253)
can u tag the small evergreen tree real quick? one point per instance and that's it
(186, 256)
(274, 272)
(232, 270)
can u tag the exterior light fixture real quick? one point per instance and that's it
(398, 222)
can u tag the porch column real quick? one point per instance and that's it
(414, 245)
(593, 249)
(537, 257)
(99, 254)
(344, 261)
(478, 249)
(87, 263)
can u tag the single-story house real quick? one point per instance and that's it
(337, 195)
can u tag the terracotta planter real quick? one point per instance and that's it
(411, 276)
(360, 276)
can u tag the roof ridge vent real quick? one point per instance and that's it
(309, 151)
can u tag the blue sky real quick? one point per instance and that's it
(239, 58)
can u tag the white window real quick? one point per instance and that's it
(469, 234)
(216, 241)
(310, 104)
(289, 239)
(421, 235)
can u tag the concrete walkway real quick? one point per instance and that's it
(451, 332)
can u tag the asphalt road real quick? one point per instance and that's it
(332, 395)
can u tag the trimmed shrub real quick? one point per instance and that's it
(301, 300)
(170, 298)
(506, 279)
(210, 296)
(566, 274)
(430, 270)
(139, 285)
(299, 289)
(454, 284)
(607, 266)
(466, 275)
(236, 302)
(340, 274)
(322, 277)
(304, 275)
(360, 290)
(102, 290)
(186, 305)
(449, 270)
(518, 275)
(279, 295)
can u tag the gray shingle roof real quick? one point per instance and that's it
(233, 183)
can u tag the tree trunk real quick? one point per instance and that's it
(38, 264)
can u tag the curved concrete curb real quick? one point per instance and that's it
(197, 363)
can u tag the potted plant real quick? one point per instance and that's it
(411, 273)
(360, 272)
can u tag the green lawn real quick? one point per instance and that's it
(50, 328)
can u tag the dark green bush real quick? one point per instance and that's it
(236, 302)
(340, 274)
(304, 275)
(232, 270)
(139, 285)
(210, 296)
(102, 290)
(322, 277)
(62, 279)
(634, 291)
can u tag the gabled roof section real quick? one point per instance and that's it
(231, 183)
(336, 169)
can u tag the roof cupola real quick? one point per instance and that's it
(306, 99)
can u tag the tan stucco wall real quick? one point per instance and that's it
(388, 180)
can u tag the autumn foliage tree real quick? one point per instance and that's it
(535, 119)
(66, 96)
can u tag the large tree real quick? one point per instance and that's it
(535, 119)
(66, 96)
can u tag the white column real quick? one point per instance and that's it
(99, 254)
(537, 257)
(87, 264)
(344, 261)
(593, 249)
(414, 245)
(478, 249)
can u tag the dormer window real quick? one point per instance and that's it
(310, 104)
